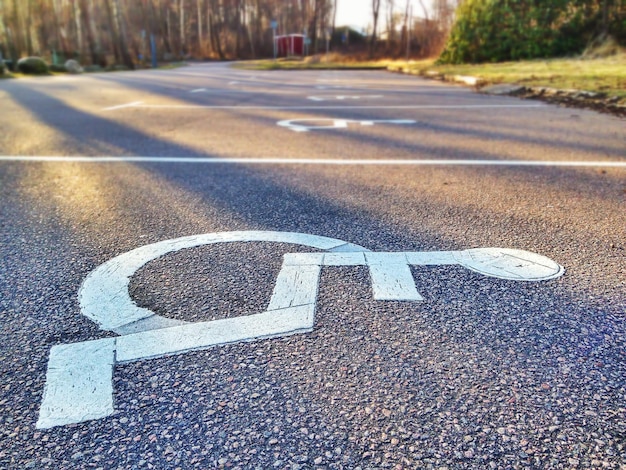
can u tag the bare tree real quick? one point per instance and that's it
(98, 29)
(373, 38)
(118, 32)
(391, 23)
(181, 19)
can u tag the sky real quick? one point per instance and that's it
(358, 13)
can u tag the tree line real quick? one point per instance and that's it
(501, 30)
(106, 32)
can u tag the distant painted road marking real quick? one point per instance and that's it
(134, 104)
(345, 97)
(298, 125)
(315, 161)
(336, 87)
(79, 376)
(198, 90)
(141, 105)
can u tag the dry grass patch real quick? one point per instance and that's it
(604, 74)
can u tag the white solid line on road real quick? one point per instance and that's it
(134, 104)
(314, 161)
(313, 108)
(197, 90)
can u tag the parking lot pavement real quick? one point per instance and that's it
(214, 268)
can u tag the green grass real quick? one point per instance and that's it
(599, 75)
(169, 66)
(320, 62)
(606, 75)
(172, 65)
(8, 74)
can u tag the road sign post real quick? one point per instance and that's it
(274, 25)
(328, 35)
(153, 51)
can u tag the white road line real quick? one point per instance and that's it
(134, 104)
(316, 161)
(312, 108)
(197, 90)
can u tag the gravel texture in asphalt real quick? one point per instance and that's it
(483, 373)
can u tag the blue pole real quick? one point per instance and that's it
(153, 51)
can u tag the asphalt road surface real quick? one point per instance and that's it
(456, 367)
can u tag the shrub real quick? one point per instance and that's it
(72, 66)
(32, 66)
(117, 68)
(57, 68)
(93, 68)
(1, 67)
(501, 30)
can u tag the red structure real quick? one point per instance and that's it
(288, 45)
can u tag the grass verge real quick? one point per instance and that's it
(166, 66)
(317, 62)
(607, 75)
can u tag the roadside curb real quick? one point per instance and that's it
(574, 98)
(597, 101)
(434, 75)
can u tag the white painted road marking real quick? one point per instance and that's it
(198, 90)
(142, 105)
(79, 377)
(297, 125)
(314, 161)
(344, 97)
(79, 383)
(104, 294)
(337, 87)
(134, 104)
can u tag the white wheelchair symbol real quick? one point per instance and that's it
(306, 125)
(79, 384)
